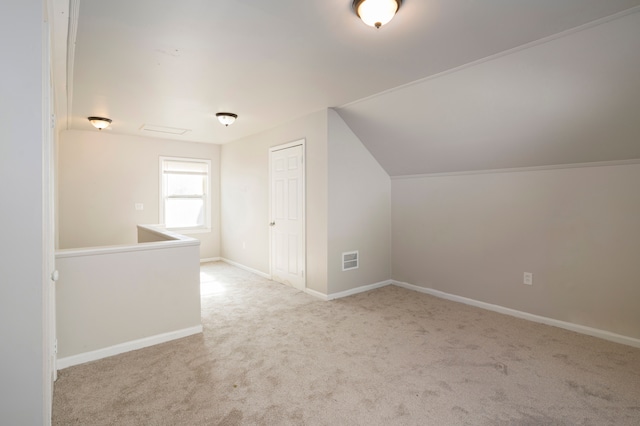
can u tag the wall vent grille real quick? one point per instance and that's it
(350, 260)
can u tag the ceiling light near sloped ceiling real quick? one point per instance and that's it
(99, 122)
(226, 118)
(376, 13)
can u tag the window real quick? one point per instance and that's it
(185, 203)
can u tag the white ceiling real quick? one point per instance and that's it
(177, 63)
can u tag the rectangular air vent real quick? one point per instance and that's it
(350, 260)
(163, 129)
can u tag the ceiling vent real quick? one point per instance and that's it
(350, 260)
(162, 129)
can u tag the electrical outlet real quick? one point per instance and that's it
(528, 278)
(139, 206)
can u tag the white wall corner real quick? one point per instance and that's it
(357, 290)
(317, 294)
(246, 268)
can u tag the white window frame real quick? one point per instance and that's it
(206, 197)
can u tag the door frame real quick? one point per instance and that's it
(49, 339)
(299, 142)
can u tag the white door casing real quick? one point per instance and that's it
(287, 214)
(48, 222)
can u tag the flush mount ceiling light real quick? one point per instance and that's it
(99, 122)
(376, 13)
(226, 118)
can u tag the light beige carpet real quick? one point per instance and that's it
(271, 355)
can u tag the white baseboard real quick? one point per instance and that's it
(316, 294)
(595, 332)
(351, 292)
(210, 259)
(357, 290)
(246, 268)
(125, 347)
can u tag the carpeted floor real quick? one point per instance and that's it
(271, 355)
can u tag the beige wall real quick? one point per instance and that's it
(114, 298)
(342, 177)
(577, 230)
(359, 210)
(245, 196)
(101, 177)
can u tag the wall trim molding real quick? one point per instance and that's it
(582, 329)
(246, 268)
(346, 293)
(121, 348)
(522, 169)
(316, 294)
(360, 289)
(74, 13)
(183, 241)
(210, 259)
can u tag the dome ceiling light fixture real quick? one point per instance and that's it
(226, 118)
(376, 13)
(99, 122)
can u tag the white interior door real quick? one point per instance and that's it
(287, 214)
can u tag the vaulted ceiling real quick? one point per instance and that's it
(448, 85)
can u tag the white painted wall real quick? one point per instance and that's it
(101, 177)
(113, 296)
(23, 357)
(359, 210)
(244, 179)
(576, 229)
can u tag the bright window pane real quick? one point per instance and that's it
(184, 213)
(185, 184)
(185, 197)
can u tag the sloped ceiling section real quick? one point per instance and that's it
(572, 99)
(176, 63)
